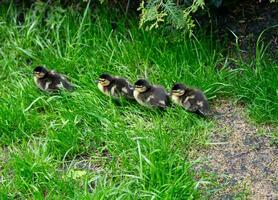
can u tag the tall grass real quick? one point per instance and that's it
(82, 145)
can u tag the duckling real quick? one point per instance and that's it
(149, 95)
(115, 86)
(50, 80)
(191, 99)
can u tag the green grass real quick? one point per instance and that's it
(133, 152)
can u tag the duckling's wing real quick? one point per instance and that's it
(128, 91)
(57, 81)
(63, 81)
(55, 84)
(49, 83)
(125, 88)
(189, 103)
(157, 103)
(201, 103)
(204, 110)
(159, 98)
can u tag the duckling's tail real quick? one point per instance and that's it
(130, 94)
(210, 114)
(68, 86)
(216, 114)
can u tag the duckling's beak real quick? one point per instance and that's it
(96, 81)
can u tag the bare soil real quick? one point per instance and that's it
(244, 162)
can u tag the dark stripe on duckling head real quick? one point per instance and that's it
(105, 77)
(142, 85)
(40, 72)
(40, 69)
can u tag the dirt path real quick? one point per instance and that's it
(246, 165)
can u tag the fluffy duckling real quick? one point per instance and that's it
(50, 80)
(191, 99)
(115, 86)
(150, 96)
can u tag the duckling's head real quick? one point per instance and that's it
(178, 90)
(105, 79)
(40, 72)
(141, 85)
